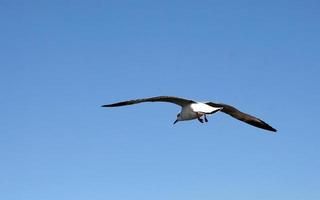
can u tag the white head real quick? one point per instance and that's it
(178, 118)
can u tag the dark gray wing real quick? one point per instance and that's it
(230, 110)
(176, 100)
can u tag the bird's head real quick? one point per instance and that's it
(178, 118)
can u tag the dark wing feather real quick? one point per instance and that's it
(230, 110)
(169, 99)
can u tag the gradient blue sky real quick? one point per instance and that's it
(61, 60)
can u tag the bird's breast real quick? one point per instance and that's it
(187, 113)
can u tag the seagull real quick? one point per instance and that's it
(198, 110)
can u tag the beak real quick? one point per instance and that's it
(175, 121)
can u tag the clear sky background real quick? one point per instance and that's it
(61, 60)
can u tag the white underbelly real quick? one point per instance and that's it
(196, 110)
(203, 108)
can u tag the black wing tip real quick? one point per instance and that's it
(272, 129)
(261, 124)
(268, 127)
(109, 105)
(125, 103)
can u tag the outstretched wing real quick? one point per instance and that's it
(176, 100)
(232, 111)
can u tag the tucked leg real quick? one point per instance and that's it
(205, 118)
(199, 118)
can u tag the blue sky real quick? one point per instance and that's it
(61, 60)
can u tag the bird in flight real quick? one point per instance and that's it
(197, 110)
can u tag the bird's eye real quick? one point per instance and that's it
(178, 115)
